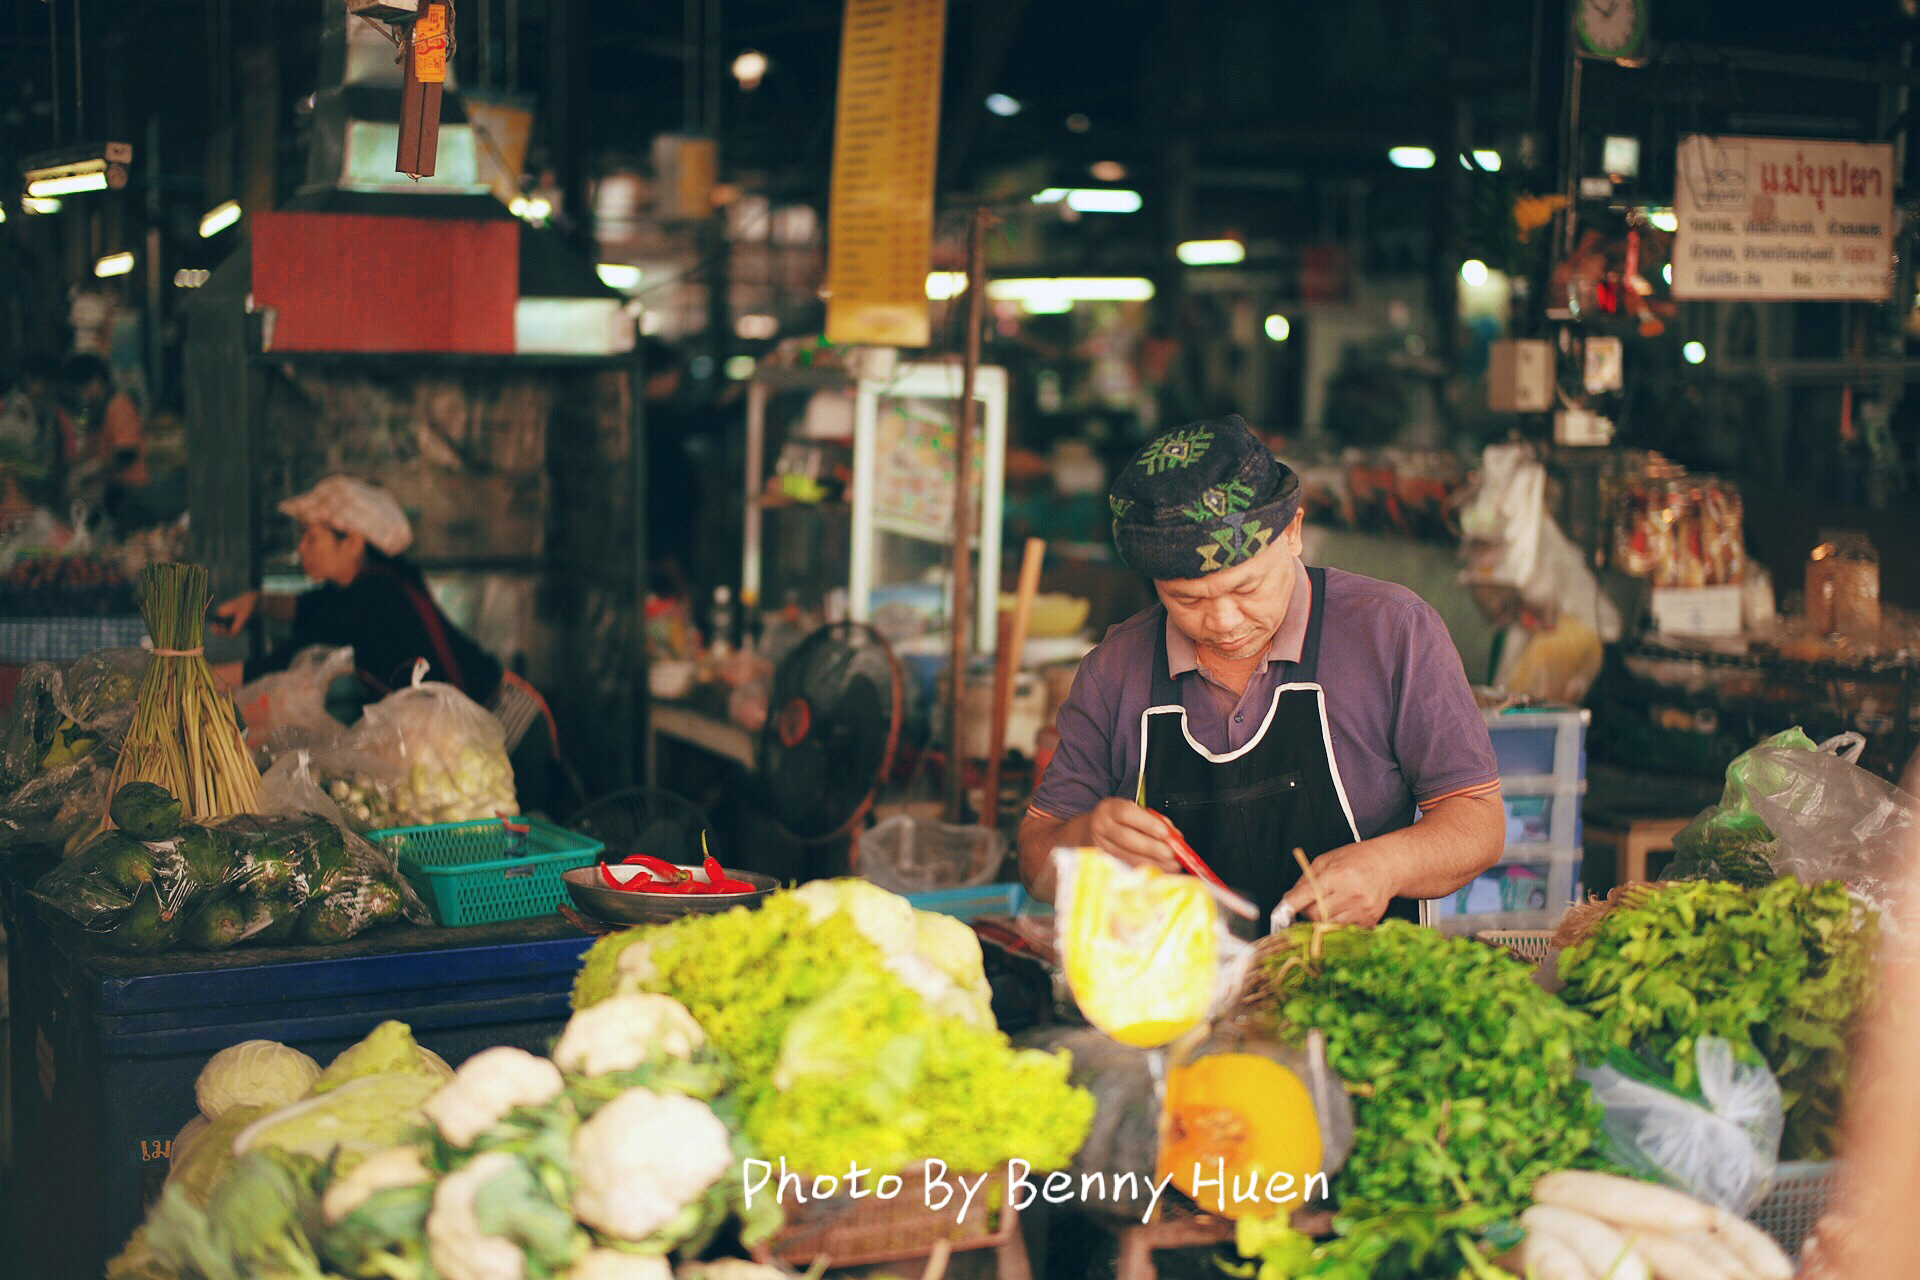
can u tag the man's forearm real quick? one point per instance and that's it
(1039, 837)
(1452, 843)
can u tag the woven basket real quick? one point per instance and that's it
(853, 1233)
(1528, 945)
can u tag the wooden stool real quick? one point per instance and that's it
(1632, 839)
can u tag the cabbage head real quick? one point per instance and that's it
(347, 1124)
(254, 1073)
(388, 1049)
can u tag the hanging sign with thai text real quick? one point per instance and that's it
(1783, 218)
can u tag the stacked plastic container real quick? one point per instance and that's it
(1542, 752)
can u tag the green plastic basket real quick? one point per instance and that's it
(486, 871)
(1801, 1194)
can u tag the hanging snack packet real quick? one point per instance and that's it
(1146, 953)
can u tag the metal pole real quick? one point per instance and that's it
(79, 82)
(961, 620)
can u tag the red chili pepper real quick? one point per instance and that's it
(682, 883)
(718, 881)
(660, 867)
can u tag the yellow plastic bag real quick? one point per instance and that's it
(1143, 950)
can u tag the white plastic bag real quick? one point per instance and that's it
(283, 705)
(1724, 1152)
(445, 755)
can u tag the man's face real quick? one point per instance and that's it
(1234, 614)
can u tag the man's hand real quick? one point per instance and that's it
(1132, 834)
(1119, 827)
(1354, 886)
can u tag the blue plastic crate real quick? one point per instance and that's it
(981, 900)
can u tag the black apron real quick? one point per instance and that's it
(1246, 812)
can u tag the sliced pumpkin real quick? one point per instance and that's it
(1233, 1123)
(1139, 948)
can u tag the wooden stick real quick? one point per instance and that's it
(962, 619)
(1006, 667)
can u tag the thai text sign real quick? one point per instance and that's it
(880, 223)
(1787, 218)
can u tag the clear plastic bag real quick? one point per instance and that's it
(1792, 807)
(1240, 1110)
(58, 747)
(913, 855)
(291, 706)
(296, 880)
(435, 755)
(1723, 1149)
(291, 786)
(1149, 956)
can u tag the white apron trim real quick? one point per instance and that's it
(1273, 707)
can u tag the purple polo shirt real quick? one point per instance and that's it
(1406, 731)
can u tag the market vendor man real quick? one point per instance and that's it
(1264, 707)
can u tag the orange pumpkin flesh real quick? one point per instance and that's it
(1234, 1121)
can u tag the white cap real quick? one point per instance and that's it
(354, 506)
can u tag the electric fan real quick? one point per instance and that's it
(833, 723)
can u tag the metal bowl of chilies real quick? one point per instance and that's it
(592, 896)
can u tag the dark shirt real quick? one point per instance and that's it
(377, 615)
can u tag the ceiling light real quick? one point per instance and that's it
(1078, 123)
(1695, 352)
(618, 275)
(1052, 195)
(77, 169)
(1666, 273)
(1108, 171)
(1001, 105)
(1473, 273)
(1620, 155)
(1279, 328)
(1211, 253)
(114, 264)
(37, 204)
(1487, 159)
(190, 277)
(738, 368)
(219, 218)
(1664, 219)
(1103, 200)
(1411, 157)
(755, 328)
(1045, 306)
(749, 68)
(1072, 288)
(69, 184)
(944, 285)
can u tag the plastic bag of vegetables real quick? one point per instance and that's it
(154, 883)
(57, 750)
(423, 754)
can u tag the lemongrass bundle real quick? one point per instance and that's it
(184, 734)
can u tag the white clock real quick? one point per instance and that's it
(1610, 28)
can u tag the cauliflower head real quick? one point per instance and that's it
(384, 1171)
(612, 1264)
(486, 1087)
(643, 1158)
(456, 1244)
(626, 1032)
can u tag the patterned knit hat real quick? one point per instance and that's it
(354, 506)
(1201, 498)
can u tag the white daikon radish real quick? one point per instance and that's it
(1603, 1251)
(1752, 1246)
(1623, 1202)
(1675, 1259)
(1543, 1257)
(1714, 1249)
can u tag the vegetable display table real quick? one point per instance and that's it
(105, 1047)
